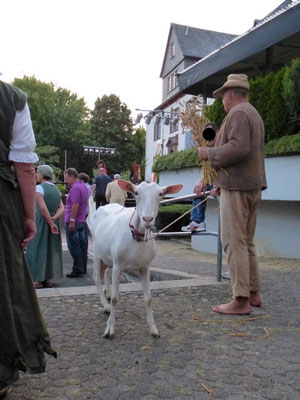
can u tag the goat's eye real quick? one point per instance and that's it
(136, 193)
(161, 194)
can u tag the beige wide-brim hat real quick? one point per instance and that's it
(233, 81)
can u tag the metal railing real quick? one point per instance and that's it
(207, 233)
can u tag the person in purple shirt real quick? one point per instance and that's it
(75, 222)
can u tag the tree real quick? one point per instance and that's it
(59, 118)
(111, 126)
(137, 148)
(49, 155)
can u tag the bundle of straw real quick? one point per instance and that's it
(193, 118)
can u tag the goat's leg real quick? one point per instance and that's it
(110, 325)
(98, 277)
(145, 279)
(107, 275)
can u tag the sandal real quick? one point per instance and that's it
(47, 283)
(38, 285)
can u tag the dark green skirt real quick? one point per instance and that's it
(23, 334)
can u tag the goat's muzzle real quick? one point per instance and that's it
(148, 222)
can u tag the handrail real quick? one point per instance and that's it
(218, 235)
(188, 196)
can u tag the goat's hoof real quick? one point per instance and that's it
(107, 294)
(107, 310)
(108, 335)
(155, 334)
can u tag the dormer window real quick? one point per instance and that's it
(172, 81)
(172, 50)
(174, 78)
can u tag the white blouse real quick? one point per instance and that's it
(22, 142)
(39, 188)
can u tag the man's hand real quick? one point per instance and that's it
(72, 227)
(30, 231)
(215, 191)
(203, 153)
(199, 187)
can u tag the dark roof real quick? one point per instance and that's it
(198, 43)
(280, 7)
(265, 47)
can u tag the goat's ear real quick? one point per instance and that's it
(171, 189)
(127, 186)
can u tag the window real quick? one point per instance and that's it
(172, 50)
(172, 81)
(174, 127)
(169, 83)
(157, 131)
(172, 144)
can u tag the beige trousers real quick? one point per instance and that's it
(238, 222)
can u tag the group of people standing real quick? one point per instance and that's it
(44, 252)
(106, 190)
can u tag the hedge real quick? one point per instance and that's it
(167, 214)
(180, 159)
(284, 146)
(276, 96)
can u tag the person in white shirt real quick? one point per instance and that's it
(23, 336)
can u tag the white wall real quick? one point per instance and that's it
(283, 178)
(277, 230)
(278, 224)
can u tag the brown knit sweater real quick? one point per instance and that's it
(239, 150)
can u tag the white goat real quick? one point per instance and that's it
(123, 241)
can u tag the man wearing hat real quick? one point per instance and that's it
(238, 157)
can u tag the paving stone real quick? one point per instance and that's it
(195, 346)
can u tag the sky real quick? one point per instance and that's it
(99, 47)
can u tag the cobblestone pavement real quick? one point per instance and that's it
(200, 354)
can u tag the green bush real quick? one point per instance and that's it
(286, 145)
(276, 96)
(266, 95)
(62, 188)
(291, 94)
(168, 214)
(216, 112)
(180, 159)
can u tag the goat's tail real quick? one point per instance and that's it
(92, 210)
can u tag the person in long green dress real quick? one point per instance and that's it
(44, 252)
(23, 333)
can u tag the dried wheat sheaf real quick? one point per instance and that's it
(193, 118)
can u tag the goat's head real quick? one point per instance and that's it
(148, 197)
